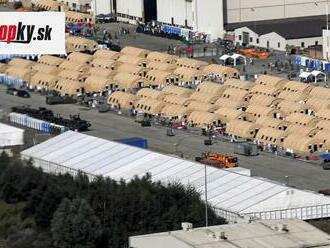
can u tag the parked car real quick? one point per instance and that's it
(23, 93)
(11, 91)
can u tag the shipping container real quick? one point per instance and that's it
(134, 141)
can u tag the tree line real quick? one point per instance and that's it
(61, 211)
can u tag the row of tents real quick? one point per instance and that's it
(272, 111)
(130, 69)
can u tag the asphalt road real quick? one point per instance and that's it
(114, 126)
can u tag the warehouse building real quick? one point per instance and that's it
(257, 234)
(233, 196)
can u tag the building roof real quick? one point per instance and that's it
(204, 97)
(233, 193)
(171, 110)
(288, 28)
(162, 57)
(10, 136)
(258, 234)
(46, 69)
(151, 94)
(81, 58)
(50, 60)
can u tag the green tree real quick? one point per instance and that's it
(75, 225)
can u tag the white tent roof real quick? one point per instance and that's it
(225, 57)
(236, 55)
(305, 74)
(316, 73)
(11, 136)
(228, 192)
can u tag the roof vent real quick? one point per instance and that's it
(186, 226)
(223, 236)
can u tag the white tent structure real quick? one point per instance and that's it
(235, 57)
(11, 136)
(319, 76)
(232, 195)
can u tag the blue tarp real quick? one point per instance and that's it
(171, 29)
(10, 81)
(297, 60)
(325, 156)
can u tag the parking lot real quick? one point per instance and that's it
(111, 125)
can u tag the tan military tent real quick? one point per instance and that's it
(201, 118)
(101, 72)
(103, 63)
(127, 81)
(135, 52)
(69, 87)
(301, 145)
(289, 107)
(177, 100)
(320, 93)
(242, 129)
(73, 16)
(106, 55)
(80, 58)
(238, 84)
(174, 111)
(70, 65)
(151, 94)
(204, 97)
(154, 65)
(211, 88)
(264, 100)
(301, 130)
(3, 67)
(188, 74)
(323, 114)
(43, 80)
(78, 44)
(161, 78)
(271, 81)
(177, 90)
(201, 106)
(132, 69)
(162, 57)
(97, 84)
(224, 102)
(260, 111)
(237, 95)
(223, 72)
(73, 75)
(267, 90)
(228, 114)
(318, 104)
(191, 63)
(21, 63)
(50, 60)
(271, 122)
(323, 135)
(52, 70)
(302, 119)
(51, 5)
(293, 96)
(119, 99)
(271, 136)
(294, 86)
(24, 74)
(149, 106)
(127, 59)
(323, 125)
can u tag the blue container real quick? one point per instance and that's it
(134, 141)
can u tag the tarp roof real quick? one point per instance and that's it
(223, 71)
(191, 63)
(265, 90)
(151, 94)
(323, 113)
(270, 135)
(242, 129)
(211, 88)
(75, 43)
(43, 79)
(171, 110)
(46, 68)
(226, 114)
(81, 58)
(188, 74)
(202, 118)
(126, 80)
(122, 99)
(267, 121)
(149, 106)
(24, 74)
(294, 86)
(239, 84)
(11, 136)
(130, 68)
(73, 75)
(3, 67)
(131, 60)
(96, 83)
(277, 82)
(302, 119)
(21, 63)
(320, 92)
(293, 96)
(177, 100)
(162, 57)
(135, 52)
(318, 104)
(236, 95)
(70, 87)
(224, 102)
(227, 190)
(289, 107)
(76, 66)
(300, 144)
(204, 97)
(106, 54)
(263, 100)
(201, 106)
(50, 60)
(155, 65)
(177, 90)
(101, 72)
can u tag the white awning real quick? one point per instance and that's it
(305, 74)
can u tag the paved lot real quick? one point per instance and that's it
(113, 126)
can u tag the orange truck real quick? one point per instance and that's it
(218, 160)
